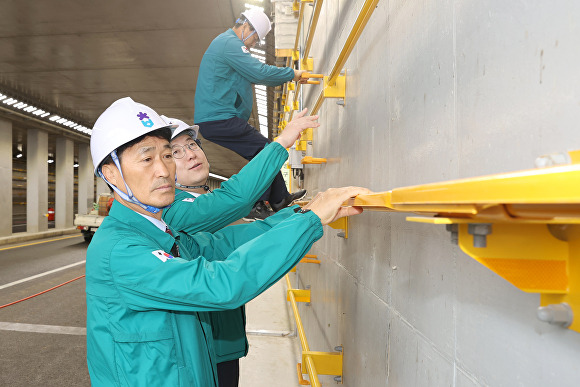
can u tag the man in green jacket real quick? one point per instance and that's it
(224, 98)
(149, 287)
(219, 208)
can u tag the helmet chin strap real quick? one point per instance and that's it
(129, 197)
(205, 187)
(247, 37)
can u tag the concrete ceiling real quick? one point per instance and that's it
(79, 56)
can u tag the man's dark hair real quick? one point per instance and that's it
(164, 133)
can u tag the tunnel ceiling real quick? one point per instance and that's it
(79, 56)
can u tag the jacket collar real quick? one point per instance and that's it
(142, 225)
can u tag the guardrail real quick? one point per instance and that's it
(313, 363)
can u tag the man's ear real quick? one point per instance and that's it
(111, 173)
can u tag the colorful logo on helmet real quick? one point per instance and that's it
(145, 120)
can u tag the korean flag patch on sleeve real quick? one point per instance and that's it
(245, 50)
(162, 255)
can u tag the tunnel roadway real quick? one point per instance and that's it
(43, 339)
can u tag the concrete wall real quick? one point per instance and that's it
(437, 90)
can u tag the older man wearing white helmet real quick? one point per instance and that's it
(219, 208)
(224, 98)
(149, 286)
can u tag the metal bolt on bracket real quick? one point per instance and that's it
(454, 230)
(338, 379)
(479, 232)
(341, 234)
(557, 314)
(340, 102)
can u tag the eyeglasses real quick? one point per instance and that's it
(179, 150)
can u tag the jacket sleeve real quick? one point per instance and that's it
(236, 197)
(146, 282)
(252, 69)
(236, 235)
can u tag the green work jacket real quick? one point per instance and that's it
(213, 211)
(226, 74)
(147, 320)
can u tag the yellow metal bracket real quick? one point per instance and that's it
(301, 295)
(295, 55)
(524, 226)
(326, 363)
(341, 224)
(307, 64)
(308, 258)
(313, 160)
(338, 90)
(307, 135)
(295, 105)
(301, 145)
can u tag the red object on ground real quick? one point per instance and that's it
(51, 213)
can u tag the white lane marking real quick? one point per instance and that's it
(38, 328)
(41, 275)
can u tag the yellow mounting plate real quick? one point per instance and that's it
(338, 90)
(307, 64)
(326, 363)
(300, 295)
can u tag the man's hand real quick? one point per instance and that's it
(292, 131)
(298, 76)
(328, 204)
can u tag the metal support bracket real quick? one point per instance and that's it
(295, 55)
(313, 160)
(341, 224)
(308, 64)
(308, 258)
(524, 226)
(301, 295)
(301, 146)
(307, 134)
(326, 363)
(338, 90)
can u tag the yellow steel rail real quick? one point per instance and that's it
(289, 58)
(324, 363)
(311, 31)
(300, 17)
(524, 226)
(539, 194)
(357, 29)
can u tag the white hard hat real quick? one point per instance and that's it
(181, 127)
(259, 21)
(122, 122)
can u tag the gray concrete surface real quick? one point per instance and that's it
(272, 358)
(437, 91)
